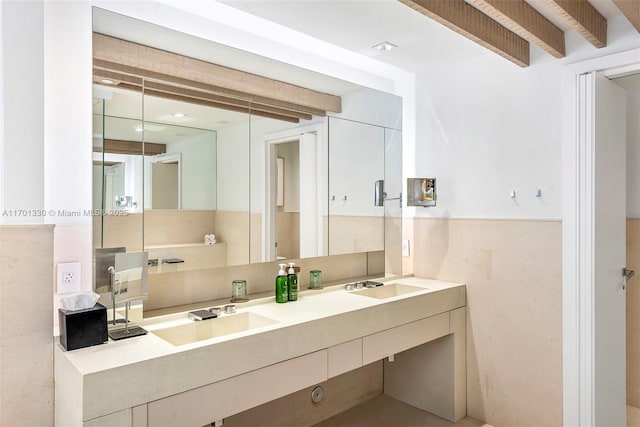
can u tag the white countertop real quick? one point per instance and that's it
(319, 319)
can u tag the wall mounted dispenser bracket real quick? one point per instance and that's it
(421, 192)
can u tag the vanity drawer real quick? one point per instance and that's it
(382, 344)
(344, 357)
(216, 401)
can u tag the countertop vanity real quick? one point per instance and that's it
(191, 373)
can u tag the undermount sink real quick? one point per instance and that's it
(205, 329)
(388, 291)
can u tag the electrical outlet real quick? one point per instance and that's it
(68, 277)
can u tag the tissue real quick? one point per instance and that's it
(79, 301)
(210, 239)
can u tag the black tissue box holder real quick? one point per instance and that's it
(83, 328)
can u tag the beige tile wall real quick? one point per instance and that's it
(233, 228)
(633, 313)
(118, 231)
(393, 244)
(349, 234)
(255, 237)
(26, 325)
(513, 273)
(161, 227)
(187, 287)
(168, 226)
(288, 229)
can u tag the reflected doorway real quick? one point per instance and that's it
(288, 200)
(292, 198)
(165, 181)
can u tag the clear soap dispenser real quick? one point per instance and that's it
(292, 278)
(282, 285)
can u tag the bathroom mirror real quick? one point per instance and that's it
(162, 172)
(324, 158)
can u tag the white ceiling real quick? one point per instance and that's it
(359, 24)
(161, 126)
(356, 25)
(127, 28)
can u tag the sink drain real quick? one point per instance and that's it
(317, 394)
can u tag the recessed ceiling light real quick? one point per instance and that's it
(384, 46)
(138, 129)
(178, 115)
(107, 81)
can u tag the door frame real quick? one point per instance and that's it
(578, 316)
(270, 140)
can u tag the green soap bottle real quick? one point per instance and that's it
(282, 286)
(293, 283)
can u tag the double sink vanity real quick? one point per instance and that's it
(193, 373)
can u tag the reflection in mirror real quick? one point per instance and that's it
(197, 180)
(117, 171)
(356, 162)
(392, 197)
(327, 204)
(286, 216)
(185, 148)
(164, 182)
(223, 165)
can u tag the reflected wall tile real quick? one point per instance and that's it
(188, 287)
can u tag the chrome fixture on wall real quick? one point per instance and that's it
(421, 192)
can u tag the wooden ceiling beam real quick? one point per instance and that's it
(118, 146)
(126, 81)
(124, 73)
(581, 16)
(205, 103)
(190, 93)
(475, 25)
(123, 52)
(631, 10)
(519, 17)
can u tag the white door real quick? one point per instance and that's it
(609, 250)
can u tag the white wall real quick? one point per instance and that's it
(487, 128)
(22, 112)
(356, 162)
(198, 169)
(233, 168)
(373, 107)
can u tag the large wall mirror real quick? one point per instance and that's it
(174, 163)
